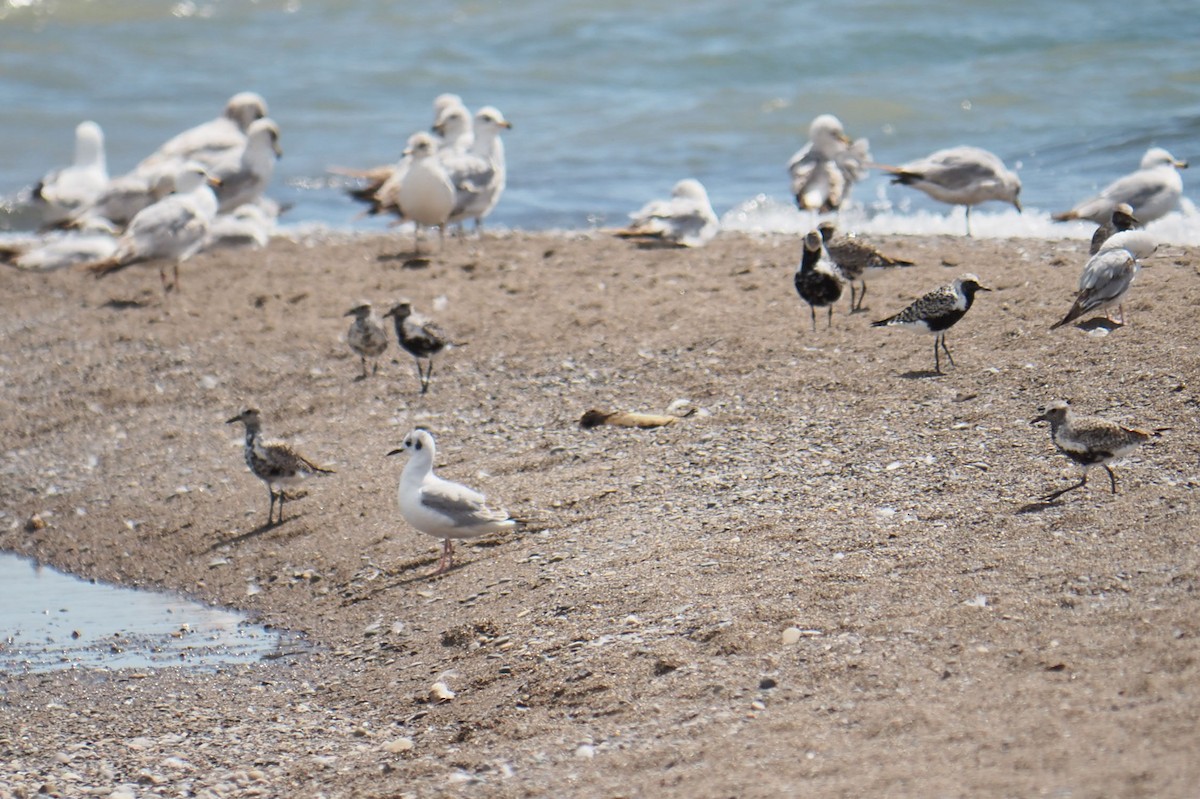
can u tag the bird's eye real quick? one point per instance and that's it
(418, 445)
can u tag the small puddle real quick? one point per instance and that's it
(51, 620)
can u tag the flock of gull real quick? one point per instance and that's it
(205, 187)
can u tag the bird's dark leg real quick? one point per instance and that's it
(1112, 477)
(829, 320)
(175, 273)
(862, 294)
(968, 220)
(813, 310)
(420, 374)
(853, 292)
(271, 507)
(1055, 495)
(364, 367)
(428, 376)
(282, 497)
(947, 349)
(937, 358)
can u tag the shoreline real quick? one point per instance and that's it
(824, 485)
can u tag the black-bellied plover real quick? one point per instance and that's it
(1088, 440)
(440, 508)
(1122, 219)
(937, 312)
(1153, 191)
(856, 260)
(685, 220)
(419, 337)
(824, 170)
(817, 279)
(963, 175)
(367, 337)
(1108, 275)
(273, 462)
(171, 230)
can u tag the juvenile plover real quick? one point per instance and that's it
(1088, 440)
(418, 336)
(856, 260)
(367, 337)
(817, 279)
(1152, 191)
(937, 311)
(273, 462)
(963, 176)
(686, 220)
(1122, 219)
(824, 170)
(1108, 275)
(440, 508)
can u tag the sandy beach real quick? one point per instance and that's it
(833, 578)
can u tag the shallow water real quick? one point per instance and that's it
(614, 102)
(51, 620)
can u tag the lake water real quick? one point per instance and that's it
(51, 620)
(613, 102)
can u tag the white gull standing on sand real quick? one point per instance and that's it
(826, 168)
(962, 175)
(687, 219)
(480, 178)
(440, 508)
(245, 173)
(1108, 275)
(172, 229)
(1152, 192)
(423, 193)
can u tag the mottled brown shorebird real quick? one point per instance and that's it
(273, 462)
(1089, 440)
(367, 337)
(856, 260)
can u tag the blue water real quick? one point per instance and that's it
(612, 102)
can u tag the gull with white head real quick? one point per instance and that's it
(1152, 192)
(441, 508)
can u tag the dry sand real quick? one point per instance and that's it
(833, 579)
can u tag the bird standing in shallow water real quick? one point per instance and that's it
(273, 462)
(440, 508)
(937, 311)
(1088, 440)
(419, 337)
(817, 279)
(366, 335)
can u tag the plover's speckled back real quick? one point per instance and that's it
(367, 337)
(937, 312)
(1108, 275)
(1088, 440)
(439, 507)
(856, 259)
(418, 336)
(273, 462)
(818, 280)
